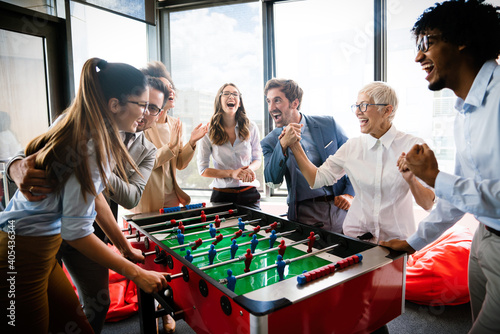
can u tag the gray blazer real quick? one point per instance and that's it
(143, 152)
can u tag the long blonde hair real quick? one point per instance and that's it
(216, 133)
(62, 150)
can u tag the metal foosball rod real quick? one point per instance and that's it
(175, 228)
(195, 244)
(202, 224)
(231, 211)
(242, 257)
(287, 261)
(235, 259)
(278, 235)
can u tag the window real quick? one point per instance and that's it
(421, 112)
(97, 33)
(55, 7)
(327, 48)
(210, 47)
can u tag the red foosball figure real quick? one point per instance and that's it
(203, 217)
(217, 221)
(181, 227)
(255, 230)
(271, 227)
(282, 248)
(248, 260)
(311, 241)
(237, 234)
(197, 244)
(218, 238)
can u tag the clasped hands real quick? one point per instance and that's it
(420, 161)
(290, 135)
(243, 174)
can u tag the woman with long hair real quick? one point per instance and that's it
(165, 132)
(79, 152)
(234, 145)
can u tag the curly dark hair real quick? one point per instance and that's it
(472, 23)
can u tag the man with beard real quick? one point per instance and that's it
(457, 45)
(321, 136)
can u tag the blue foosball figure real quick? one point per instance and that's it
(212, 230)
(234, 248)
(180, 238)
(211, 254)
(231, 280)
(254, 243)
(188, 256)
(280, 267)
(241, 226)
(272, 238)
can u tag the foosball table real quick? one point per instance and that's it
(233, 269)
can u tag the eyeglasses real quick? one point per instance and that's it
(423, 42)
(364, 106)
(142, 105)
(227, 94)
(154, 110)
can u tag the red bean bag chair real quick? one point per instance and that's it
(437, 274)
(122, 294)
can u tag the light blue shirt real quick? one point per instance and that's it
(226, 156)
(66, 212)
(476, 186)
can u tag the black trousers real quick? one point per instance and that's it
(249, 198)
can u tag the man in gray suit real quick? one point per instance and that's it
(90, 278)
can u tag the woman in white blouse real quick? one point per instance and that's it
(382, 208)
(233, 143)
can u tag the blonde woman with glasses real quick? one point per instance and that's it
(382, 208)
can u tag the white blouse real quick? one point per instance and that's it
(383, 203)
(227, 156)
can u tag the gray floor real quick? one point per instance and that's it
(418, 319)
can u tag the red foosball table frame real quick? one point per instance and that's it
(357, 299)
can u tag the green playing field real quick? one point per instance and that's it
(252, 282)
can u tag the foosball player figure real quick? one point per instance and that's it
(282, 248)
(272, 238)
(181, 227)
(248, 260)
(311, 241)
(203, 217)
(237, 234)
(218, 238)
(197, 244)
(271, 227)
(255, 231)
(188, 256)
(234, 248)
(180, 238)
(280, 267)
(254, 243)
(241, 225)
(217, 221)
(211, 254)
(231, 280)
(212, 230)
